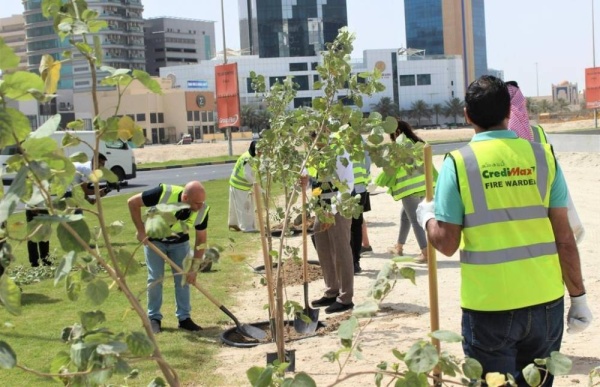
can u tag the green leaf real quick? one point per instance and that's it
(8, 59)
(17, 189)
(253, 374)
(157, 382)
(157, 227)
(265, 378)
(115, 228)
(390, 124)
(139, 344)
(447, 336)
(50, 72)
(68, 241)
(111, 348)
(147, 81)
(472, 369)
(81, 353)
(17, 85)
(79, 157)
(302, 379)
(412, 379)
(64, 267)
(89, 320)
(59, 362)
(13, 124)
(98, 53)
(10, 295)
(128, 265)
(421, 357)
(367, 308)
(409, 273)
(73, 285)
(559, 364)
(97, 25)
(8, 357)
(47, 127)
(347, 328)
(97, 291)
(532, 375)
(77, 124)
(39, 147)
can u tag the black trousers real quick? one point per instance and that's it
(37, 250)
(356, 231)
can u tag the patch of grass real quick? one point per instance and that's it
(199, 161)
(35, 334)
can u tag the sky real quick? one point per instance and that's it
(535, 42)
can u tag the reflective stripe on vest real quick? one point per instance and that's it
(508, 254)
(170, 195)
(361, 176)
(408, 184)
(238, 175)
(539, 135)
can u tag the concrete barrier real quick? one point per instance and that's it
(575, 142)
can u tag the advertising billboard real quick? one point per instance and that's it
(228, 98)
(592, 88)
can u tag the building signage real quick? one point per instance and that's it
(228, 99)
(197, 84)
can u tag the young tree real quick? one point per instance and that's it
(437, 109)
(43, 176)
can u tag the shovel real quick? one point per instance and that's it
(300, 325)
(244, 329)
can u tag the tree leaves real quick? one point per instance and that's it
(421, 357)
(69, 242)
(14, 127)
(10, 295)
(8, 357)
(139, 344)
(8, 59)
(97, 291)
(50, 73)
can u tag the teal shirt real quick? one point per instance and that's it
(448, 204)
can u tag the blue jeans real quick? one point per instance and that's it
(507, 342)
(156, 271)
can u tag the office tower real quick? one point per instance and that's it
(13, 33)
(122, 41)
(289, 28)
(449, 27)
(175, 41)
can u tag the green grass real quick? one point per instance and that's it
(216, 159)
(35, 334)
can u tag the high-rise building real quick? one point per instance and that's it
(289, 28)
(175, 41)
(13, 33)
(449, 27)
(122, 41)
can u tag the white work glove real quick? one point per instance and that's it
(579, 316)
(425, 211)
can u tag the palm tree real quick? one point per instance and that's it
(386, 107)
(420, 109)
(453, 108)
(532, 106)
(562, 105)
(545, 106)
(248, 116)
(437, 109)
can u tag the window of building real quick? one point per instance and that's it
(303, 101)
(140, 117)
(153, 118)
(161, 118)
(274, 80)
(423, 79)
(302, 82)
(407, 80)
(249, 88)
(313, 65)
(196, 115)
(302, 66)
(211, 117)
(190, 116)
(347, 101)
(316, 78)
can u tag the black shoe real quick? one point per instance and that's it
(336, 307)
(189, 325)
(357, 268)
(365, 249)
(155, 324)
(323, 301)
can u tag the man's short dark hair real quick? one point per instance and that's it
(487, 101)
(101, 157)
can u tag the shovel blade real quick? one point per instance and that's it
(302, 326)
(251, 331)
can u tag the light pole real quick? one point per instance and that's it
(228, 130)
(537, 79)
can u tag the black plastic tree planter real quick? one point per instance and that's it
(234, 339)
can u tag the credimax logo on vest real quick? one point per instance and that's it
(509, 172)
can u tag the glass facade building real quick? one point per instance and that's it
(449, 27)
(289, 28)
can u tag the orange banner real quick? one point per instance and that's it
(228, 98)
(592, 88)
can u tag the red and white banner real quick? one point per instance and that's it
(228, 98)
(592, 88)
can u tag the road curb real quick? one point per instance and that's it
(142, 169)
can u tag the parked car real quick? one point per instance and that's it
(185, 139)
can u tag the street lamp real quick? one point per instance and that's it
(229, 144)
(594, 60)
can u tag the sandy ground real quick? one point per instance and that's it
(407, 312)
(158, 153)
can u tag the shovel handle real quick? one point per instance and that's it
(304, 236)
